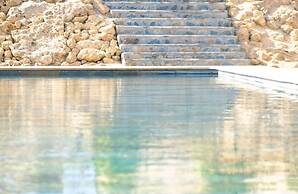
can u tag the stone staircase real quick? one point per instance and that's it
(175, 32)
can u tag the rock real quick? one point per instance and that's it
(91, 55)
(76, 37)
(6, 26)
(255, 62)
(1, 54)
(2, 17)
(105, 36)
(87, 1)
(116, 58)
(18, 24)
(258, 17)
(233, 11)
(256, 36)
(109, 29)
(71, 42)
(112, 50)
(278, 37)
(5, 45)
(77, 63)
(294, 35)
(243, 34)
(113, 43)
(72, 56)
(279, 56)
(101, 7)
(108, 60)
(46, 60)
(26, 62)
(65, 64)
(94, 19)
(92, 32)
(80, 19)
(7, 54)
(265, 56)
(96, 44)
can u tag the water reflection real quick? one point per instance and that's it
(145, 135)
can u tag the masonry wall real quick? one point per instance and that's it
(268, 30)
(56, 32)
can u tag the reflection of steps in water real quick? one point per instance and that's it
(79, 178)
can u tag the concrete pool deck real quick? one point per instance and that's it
(280, 79)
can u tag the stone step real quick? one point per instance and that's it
(186, 62)
(166, 6)
(176, 39)
(173, 21)
(179, 48)
(117, 13)
(175, 30)
(186, 55)
(161, 1)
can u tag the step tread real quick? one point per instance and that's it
(186, 55)
(157, 53)
(216, 22)
(186, 62)
(167, 5)
(176, 27)
(179, 47)
(170, 35)
(167, 11)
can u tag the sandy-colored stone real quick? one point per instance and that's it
(91, 55)
(258, 17)
(108, 60)
(101, 7)
(96, 44)
(7, 54)
(269, 35)
(46, 60)
(1, 54)
(109, 29)
(256, 36)
(71, 43)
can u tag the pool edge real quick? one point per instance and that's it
(281, 79)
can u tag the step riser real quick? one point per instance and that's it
(183, 62)
(148, 39)
(179, 48)
(232, 55)
(161, 1)
(158, 14)
(166, 6)
(172, 22)
(174, 31)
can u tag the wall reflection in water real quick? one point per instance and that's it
(145, 135)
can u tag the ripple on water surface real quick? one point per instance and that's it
(166, 135)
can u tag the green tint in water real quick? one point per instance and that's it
(159, 135)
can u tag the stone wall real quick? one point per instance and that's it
(268, 30)
(56, 32)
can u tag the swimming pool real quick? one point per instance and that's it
(147, 134)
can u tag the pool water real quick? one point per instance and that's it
(145, 135)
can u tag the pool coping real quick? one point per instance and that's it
(112, 70)
(281, 79)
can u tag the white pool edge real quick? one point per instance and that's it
(279, 79)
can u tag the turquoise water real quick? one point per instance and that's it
(145, 135)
